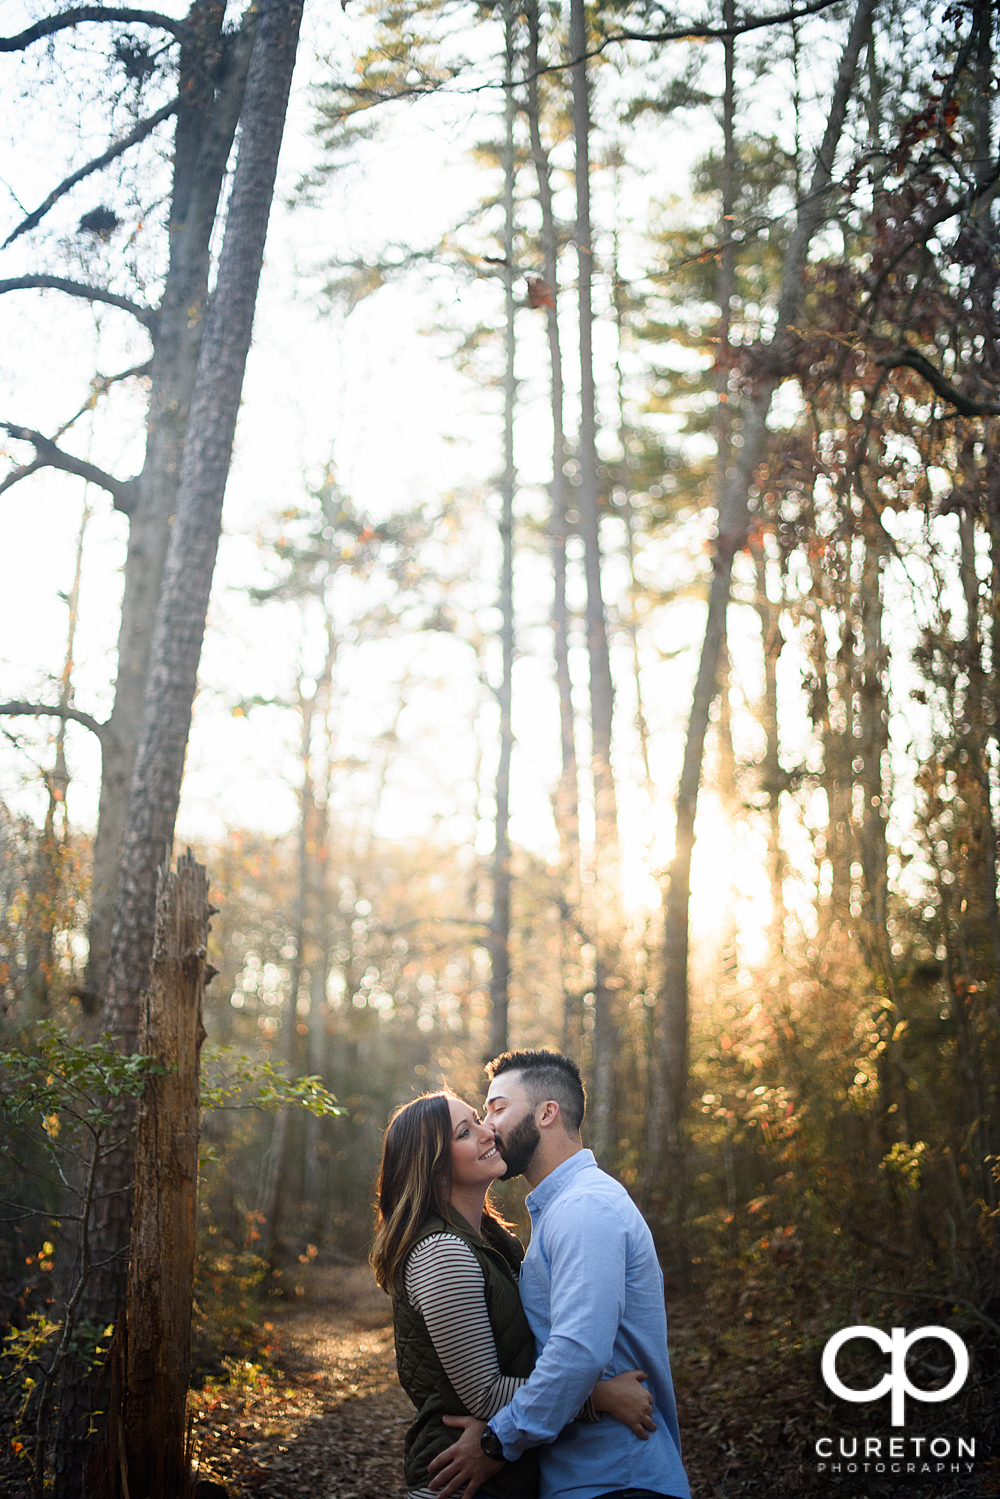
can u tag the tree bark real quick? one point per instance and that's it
(206, 126)
(588, 493)
(725, 291)
(772, 644)
(320, 938)
(194, 536)
(601, 685)
(180, 620)
(500, 922)
(982, 109)
(275, 1186)
(567, 797)
(50, 852)
(566, 803)
(733, 524)
(983, 849)
(873, 720)
(281, 1177)
(157, 1356)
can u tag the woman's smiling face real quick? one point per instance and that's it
(474, 1156)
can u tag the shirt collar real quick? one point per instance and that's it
(550, 1187)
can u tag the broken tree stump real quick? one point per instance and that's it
(157, 1353)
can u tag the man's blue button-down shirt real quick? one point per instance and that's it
(592, 1289)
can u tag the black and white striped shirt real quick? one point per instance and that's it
(445, 1283)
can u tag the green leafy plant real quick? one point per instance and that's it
(232, 1080)
(65, 1101)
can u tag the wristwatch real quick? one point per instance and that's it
(490, 1443)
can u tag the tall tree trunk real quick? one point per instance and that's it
(873, 721)
(277, 1183)
(985, 11)
(598, 654)
(319, 972)
(983, 855)
(194, 538)
(832, 702)
(50, 852)
(588, 493)
(838, 759)
(725, 293)
(321, 941)
(659, 1072)
(991, 727)
(206, 126)
(978, 909)
(281, 1175)
(567, 799)
(772, 643)
(619, 303)
(733, 524)
(982, 107)
(180, 621)
(500, 922)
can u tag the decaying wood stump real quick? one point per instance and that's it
(143, 1453)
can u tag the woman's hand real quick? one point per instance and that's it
(627, 1401)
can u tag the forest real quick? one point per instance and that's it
(531, 578)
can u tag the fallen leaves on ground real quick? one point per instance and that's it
(322, 1415)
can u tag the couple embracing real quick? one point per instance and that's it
(539, 1373)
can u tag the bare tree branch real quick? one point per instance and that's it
(99, 386)
(964, 405)
(720, 33)
(145, 315)
(373, 97)
(122, 491)
(80, 13)
(133, 138)
(21, 472)
(55, 710)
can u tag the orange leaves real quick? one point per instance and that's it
(937, 118)
(540, 293)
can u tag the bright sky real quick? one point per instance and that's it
(378, 395)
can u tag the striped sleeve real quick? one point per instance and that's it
(445, 1283)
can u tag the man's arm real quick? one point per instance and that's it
(586, 1251)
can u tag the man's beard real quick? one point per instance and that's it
(519, 1146)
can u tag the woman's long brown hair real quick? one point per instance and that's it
(414, 1180)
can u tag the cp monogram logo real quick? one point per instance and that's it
(896, 1380)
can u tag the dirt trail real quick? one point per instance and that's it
(329, 1421)
(325, 1417)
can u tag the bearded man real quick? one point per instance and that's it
(592, 1289)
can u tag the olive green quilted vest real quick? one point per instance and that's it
(422, 1375)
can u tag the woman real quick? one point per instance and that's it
(463, 1344)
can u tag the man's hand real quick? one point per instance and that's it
(462, 1466)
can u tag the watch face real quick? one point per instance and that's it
(490, 1443)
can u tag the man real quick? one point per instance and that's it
(593, 1293)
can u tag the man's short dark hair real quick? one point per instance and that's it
(546, 1074)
